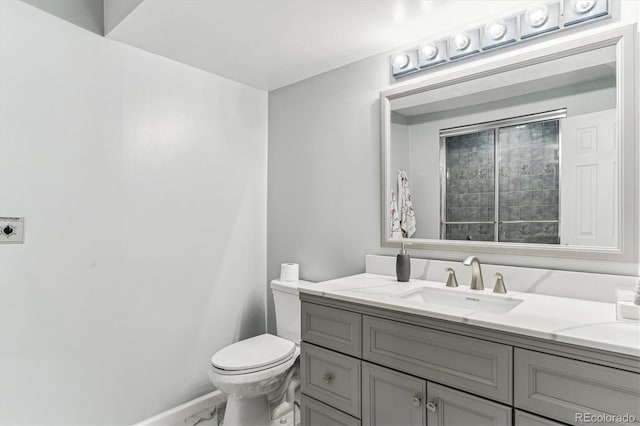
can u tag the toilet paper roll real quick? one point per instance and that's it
(289, 272)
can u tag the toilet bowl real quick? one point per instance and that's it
(255, 372)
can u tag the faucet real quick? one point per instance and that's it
(476, 272)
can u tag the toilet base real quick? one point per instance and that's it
(247, 411)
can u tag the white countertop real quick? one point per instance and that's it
(574, 321)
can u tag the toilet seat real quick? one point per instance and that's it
(251, 355)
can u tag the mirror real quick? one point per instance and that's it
(534, 152)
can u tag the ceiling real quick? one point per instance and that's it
(269, 44)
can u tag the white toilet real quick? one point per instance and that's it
(255, 371)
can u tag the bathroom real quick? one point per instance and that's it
(161, 159)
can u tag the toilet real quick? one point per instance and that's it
(256, 372)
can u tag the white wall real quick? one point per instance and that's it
(143, 183)
(117, 10)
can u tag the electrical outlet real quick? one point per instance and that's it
(11, 230)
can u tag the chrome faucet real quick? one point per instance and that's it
(476, 272)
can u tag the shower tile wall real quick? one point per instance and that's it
(529, 182)
(470, 186)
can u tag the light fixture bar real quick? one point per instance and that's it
(538, 20)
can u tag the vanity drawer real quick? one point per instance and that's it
(331, 378)
(465, 363)
(526, 419)
(562, 388)
(332, 328)
(315, 413)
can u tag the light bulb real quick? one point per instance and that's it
(496, 30)
(400, 60)
(583, 6)
(461, 41)
(429, 51)
(537, 16)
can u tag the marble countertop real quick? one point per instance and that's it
(580, 322)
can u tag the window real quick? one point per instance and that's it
(502, 180)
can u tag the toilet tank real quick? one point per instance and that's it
(287, 306)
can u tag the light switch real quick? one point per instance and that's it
(11, 230)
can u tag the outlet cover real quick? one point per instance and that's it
(11, 230)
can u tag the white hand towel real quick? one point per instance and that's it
(407, 215)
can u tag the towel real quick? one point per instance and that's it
(405, 206)
(396, 233)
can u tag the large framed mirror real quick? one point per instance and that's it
(531, 152)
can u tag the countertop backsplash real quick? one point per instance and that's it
(578, 285)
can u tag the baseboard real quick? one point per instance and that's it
(181, 412)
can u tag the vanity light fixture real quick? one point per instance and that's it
(464, 44)
(496, 31)
(400, 60)
(431, 54)
(461, 41)
(403, 62)
(429, 51)
(537, 16)
(499, 32)
(539, 19)
(583, 6)
(583, 10)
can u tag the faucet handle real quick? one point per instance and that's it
(499, 287)
(452, 281)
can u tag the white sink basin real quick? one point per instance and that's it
(461, 299)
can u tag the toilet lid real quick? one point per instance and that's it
(254, 353)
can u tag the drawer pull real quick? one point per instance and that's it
(416, 401)
(327, 378)
(432, 406)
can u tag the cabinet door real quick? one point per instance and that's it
(448, 407)
(390, 398)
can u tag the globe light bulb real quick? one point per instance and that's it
(496, 30)
(400, 60)
(583, 6)
(537, 16)
(429, 51)
(461, 41)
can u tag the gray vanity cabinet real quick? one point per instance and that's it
(365, 366)
(392, 398)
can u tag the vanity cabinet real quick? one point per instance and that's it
(381, 367)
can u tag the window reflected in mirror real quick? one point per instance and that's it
(522, 162)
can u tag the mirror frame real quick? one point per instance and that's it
(623, 37)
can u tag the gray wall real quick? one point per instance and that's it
(324, 164)
(88, 14)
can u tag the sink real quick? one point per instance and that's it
(461, 299)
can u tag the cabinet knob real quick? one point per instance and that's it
(327, 378)
(416, 401)
(432, 406)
